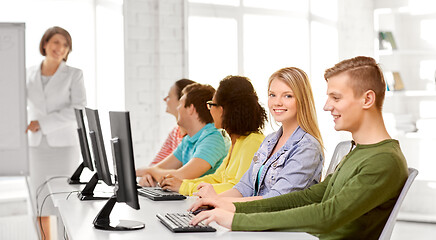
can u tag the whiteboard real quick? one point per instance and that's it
(13, 114)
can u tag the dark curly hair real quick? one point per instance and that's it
(242, 113)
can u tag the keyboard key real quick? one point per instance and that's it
(158, 194)
(179, 222)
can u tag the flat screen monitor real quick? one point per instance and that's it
(99, 156)
(84, 149)
(125, 178)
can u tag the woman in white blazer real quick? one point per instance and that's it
(53, 91)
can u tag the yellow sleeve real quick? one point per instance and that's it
(230, 171)
(189, 186)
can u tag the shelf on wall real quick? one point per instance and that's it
(405, 52)
(409, 113)
(412, 93)
(420, 136)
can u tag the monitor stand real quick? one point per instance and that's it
(88, 191)
(75, 178)
(102, 220)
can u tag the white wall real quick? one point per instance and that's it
(355, 28)
(154, 60)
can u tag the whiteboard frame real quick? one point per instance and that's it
(15, 162)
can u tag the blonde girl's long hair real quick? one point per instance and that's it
(298, 81)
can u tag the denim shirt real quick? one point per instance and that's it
(295, 166)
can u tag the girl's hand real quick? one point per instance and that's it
(171, 182)
(205, 190)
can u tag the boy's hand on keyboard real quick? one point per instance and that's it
(171, 182)
(147, 181)
(220, 216)
(201, 209)
(216, 203)
(205, 190)
(140, 172)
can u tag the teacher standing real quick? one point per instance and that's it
(54, 89)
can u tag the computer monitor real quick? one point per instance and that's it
(84, 149)
(99, 155)
(125, 178)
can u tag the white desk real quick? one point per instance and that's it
(78, 216)
(60, 190)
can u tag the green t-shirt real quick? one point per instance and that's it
(352, 203)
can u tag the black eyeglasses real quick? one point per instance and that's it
(210, 104)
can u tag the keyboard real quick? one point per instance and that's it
(179, 222)
(158, 194)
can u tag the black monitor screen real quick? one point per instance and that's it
(84, 146)
(125, 179)
(98, 149)
(124, 164)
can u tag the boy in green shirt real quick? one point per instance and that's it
(355, 201)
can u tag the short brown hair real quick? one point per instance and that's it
(50, 33)
(242, 113)
(365, 74)
(198, 94)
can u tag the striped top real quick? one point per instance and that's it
(173, 140)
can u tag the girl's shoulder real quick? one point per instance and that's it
(255, 135)
(308, 140)
(301, 138)
(251, 139)
(274, 135)
(270, 137)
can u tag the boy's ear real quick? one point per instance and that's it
(368, 99)
(191, 109)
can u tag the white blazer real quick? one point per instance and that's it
(53, 106)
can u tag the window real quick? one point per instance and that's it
(213, 46)
(254, 38)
